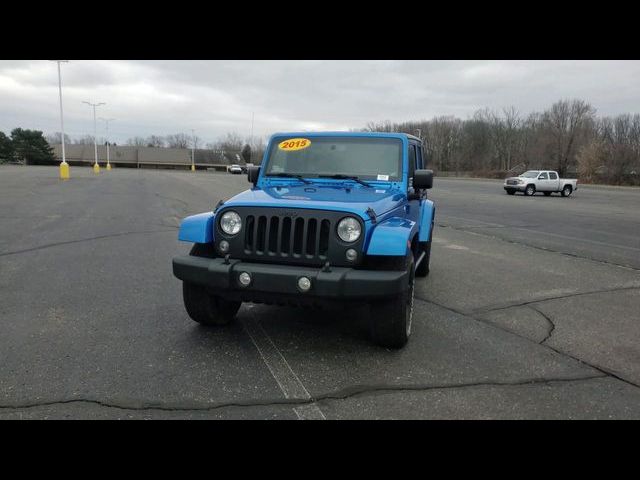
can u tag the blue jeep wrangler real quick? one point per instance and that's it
(331, 218)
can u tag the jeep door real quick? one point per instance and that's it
(415, 162)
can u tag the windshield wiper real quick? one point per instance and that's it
(288, 175)
(339, 176)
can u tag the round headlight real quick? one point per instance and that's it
(349, 229)
(230, 223)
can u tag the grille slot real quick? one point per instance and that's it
(278, 236)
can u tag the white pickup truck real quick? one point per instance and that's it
(545, 181)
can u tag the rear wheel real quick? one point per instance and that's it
(530, 190)
(391, 319)
(566, 191)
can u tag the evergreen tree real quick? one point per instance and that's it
(6, 148)
(246, 153)
(31, 147)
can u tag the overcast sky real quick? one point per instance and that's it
(216, 97)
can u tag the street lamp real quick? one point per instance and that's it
(193, 150)
(64, 166)
(106, 121)
(96, 167)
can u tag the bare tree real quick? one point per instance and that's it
(54, 138)
(136, 142)
(565, 121)
(84, 140)
(155, 141)
(178, 140)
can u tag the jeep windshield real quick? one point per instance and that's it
(367, 158)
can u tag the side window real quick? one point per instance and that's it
(412, 162)
(553, 176)
(419, 161)
(543, 176)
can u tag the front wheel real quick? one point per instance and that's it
(530, 190)
(205, 308)
(511, 191)
(391, 319)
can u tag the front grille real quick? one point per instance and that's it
(279, 236)
(512, 182)
(289, 236)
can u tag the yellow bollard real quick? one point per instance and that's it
(64, 171)
(96, 168)
(108, 166)
(193, 167)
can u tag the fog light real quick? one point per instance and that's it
(351, 255)
(244, 279)
(224, 246)
(304, 284)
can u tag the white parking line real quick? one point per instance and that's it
(285, 377)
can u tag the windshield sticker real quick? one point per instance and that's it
(383, 177)
(381, 191)
(294, 144)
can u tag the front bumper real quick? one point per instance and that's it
(517, 188)
(275, 283)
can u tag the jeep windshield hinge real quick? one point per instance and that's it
(220, 203)
(372, 214)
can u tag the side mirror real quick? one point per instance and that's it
(423, 179)
(252, 174)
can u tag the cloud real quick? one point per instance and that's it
(215, 97)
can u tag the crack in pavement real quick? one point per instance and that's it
(537, 247)
(601, 369)
(552, 326)
(493, 308)
(342, 394)
(56, 244)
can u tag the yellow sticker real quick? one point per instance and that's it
(294, 144)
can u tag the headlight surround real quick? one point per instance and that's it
(349, 229)
(230, 223)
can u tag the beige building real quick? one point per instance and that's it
(140, 157)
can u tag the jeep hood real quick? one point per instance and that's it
(354, 199)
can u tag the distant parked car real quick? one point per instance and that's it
(545, 181)
(235, 169)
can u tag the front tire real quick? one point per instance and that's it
(530, 190)
(207, 309)
(511, 191)
(422, 270)
(391, 319)
(201, 306)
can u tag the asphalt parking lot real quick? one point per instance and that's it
(531, 310)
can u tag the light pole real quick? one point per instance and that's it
(96, 167)
(64, 166)
(106, 121)
(193, 150)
